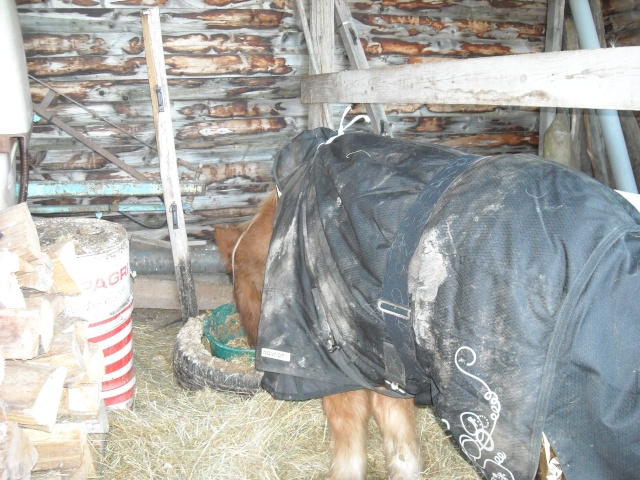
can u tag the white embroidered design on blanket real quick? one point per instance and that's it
(478, 440)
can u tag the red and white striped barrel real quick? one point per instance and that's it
(106, 301)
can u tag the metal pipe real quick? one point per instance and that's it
(612, 130)
(108, 188)
(147, 260)
(143, 208)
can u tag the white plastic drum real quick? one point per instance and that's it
(106, 301)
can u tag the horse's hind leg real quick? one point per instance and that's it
(348, 416)
(395, 417)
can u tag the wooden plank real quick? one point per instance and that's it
(552, 43)
(211, 290)
(314, 60)
(168, 165)
(358, 60)
(555, 79)
(322, 32)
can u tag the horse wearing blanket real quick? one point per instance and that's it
(502, 290)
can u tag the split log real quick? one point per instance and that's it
(19, 333)
(85, 398)
(10, 293)
(40, 277)
(96, 422)
(1, 365)
(62, 448)
(17, 454)
(57, 303)
(32, 392)
(65, 267)
(94, 363)
(66, 351)
(45, 321)
(19, 233)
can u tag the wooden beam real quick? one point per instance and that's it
(322, 32)
(552, 43)
(314, 61)
(168, 163)
(62, 125)
(601, 79)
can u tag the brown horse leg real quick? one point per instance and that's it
(348, 416)
(395, 417)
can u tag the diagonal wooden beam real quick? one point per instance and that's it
(62, 125)
(358, 60)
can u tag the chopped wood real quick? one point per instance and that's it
(84, 398)
(1, 365)
(40, 277)
(32, 392)
(20, 332)
(10, 292)
(66, 267)
(96, 422)
(62, 448)
(57, 303)
(66, 351)
(19, 233)
(94, 362)
(17, 453)
(9, 261)
(45, 321)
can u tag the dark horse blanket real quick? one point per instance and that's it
(522, 305)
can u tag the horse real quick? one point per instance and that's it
(244, 248)
(519, 280)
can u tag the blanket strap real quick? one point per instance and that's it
(402, 370)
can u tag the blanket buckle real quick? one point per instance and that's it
(394, 309)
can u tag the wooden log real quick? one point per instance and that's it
(94, 363)
(11, 295)
(17, 454)
(96, 422)
(32, 392)
(65, 267)
(66, 351)
(19, 233)
(554, 79)
(1, 365)
(19, 333)
(62, 448)
(41, 275)
(46, 320)
(84, 398)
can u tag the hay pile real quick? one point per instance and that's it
(176, 434)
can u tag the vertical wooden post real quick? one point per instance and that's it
(552, 43)
(168, 164)
(322, 36)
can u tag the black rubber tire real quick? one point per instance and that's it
(195, 368)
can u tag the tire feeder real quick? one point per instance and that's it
(195, 366)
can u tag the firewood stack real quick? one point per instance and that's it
(50, 375)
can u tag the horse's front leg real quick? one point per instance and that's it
(348, 416)
(396, 419)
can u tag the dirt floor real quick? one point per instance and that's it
(176, 434)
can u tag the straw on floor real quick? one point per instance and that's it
(176, 434)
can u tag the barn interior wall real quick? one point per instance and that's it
(234, 70)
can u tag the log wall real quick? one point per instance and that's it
(233, 68)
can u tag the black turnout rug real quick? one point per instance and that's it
(503, 290)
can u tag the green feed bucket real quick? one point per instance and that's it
(225, 334)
